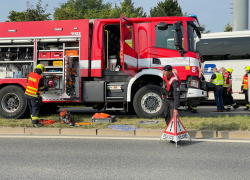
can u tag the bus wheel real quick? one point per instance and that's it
(148, 102)
(13, 103)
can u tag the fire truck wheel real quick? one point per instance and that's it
(148, 102)
(13, 103)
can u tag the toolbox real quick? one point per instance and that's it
(44, 55)
(56, 55)
(45, 63)
(104, 120)
(57, 63)
(72, 52)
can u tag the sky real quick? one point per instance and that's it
(215, 14)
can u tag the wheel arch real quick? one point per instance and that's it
(145, 77)
(13, 84)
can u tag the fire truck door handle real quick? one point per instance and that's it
(156, 61)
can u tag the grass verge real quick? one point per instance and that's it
(240, 123)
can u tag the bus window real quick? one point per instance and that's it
(210, 49)
(236, 48)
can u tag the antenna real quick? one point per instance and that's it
(161, 9)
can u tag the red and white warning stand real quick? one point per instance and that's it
(175, 131)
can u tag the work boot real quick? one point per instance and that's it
(246, 108)
(236, 106)
(37, 125)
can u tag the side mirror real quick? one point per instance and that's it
(200, 28)
(177, 26)
(162, 26)
(177, 35)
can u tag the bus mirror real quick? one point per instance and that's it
(162, 26)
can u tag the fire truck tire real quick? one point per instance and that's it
(13, 103)
(148, 102)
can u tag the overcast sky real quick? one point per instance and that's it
(215, 14)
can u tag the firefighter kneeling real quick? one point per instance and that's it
(35, 83)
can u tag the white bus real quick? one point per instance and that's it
(229, 50)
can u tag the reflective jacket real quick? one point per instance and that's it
(33, 85)
(245, 82)
(171, 80)
(226, 80)
(172, 87)
(218, 80)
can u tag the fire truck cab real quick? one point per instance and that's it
(115, 64)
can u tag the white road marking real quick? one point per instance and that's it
(120, 138)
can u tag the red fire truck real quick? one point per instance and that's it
(115, 64)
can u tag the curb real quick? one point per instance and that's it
(206, 134)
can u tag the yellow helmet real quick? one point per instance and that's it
(229, 70)
(40, 66)
(247, 68)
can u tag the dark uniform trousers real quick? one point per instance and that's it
(226, 97)
(34, 107)
(246, 96)
(169, 110)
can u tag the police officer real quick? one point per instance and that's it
(233, 104)
(217, 79)
(35, 83)
(244, 86)
(226, 90)
(171, 91)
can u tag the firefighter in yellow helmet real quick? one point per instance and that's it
(244, 86)
(233, 104)
(35, 83)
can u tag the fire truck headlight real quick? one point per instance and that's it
(194, 82)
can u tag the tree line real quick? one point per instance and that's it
(93, 9)
(96, 9)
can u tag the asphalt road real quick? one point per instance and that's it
(203, 111)
(62, 158)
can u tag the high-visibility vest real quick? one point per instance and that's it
(218, 80)
(32, 85)
(226, 80)
(171, 80)
(245, 82)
